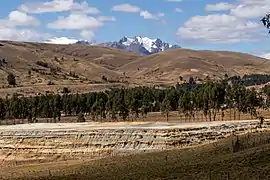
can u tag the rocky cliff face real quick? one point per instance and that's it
(41, 142)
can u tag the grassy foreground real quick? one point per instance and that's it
(247, 158)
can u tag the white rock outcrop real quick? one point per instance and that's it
(29, 143)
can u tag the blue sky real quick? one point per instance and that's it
(232, 25)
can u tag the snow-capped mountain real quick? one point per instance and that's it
(137, 44)
(141, 45)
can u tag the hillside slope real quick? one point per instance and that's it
(37, 63)
(169, 65)
(107, 57)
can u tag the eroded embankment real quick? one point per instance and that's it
(30, 143)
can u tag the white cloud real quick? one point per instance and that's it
(251, 8)
(57, 6)
(86, 25)
(148, 15)
(126, 8)
(21, 34)
(266, 56)
(178, 10)
(219, 28)
(135, 9)
(223, 6)
(17, 18)
(9, 27)
(76, 22)
(88, 35)
(22, 19)
(106, 18)
(61, 40)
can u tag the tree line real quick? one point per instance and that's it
(115, 104)
(251, 80)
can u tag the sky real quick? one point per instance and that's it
(231, 25)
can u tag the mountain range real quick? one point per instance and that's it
(138, 44)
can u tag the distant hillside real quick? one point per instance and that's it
(37, 63)
(80, 65)
(169, 65)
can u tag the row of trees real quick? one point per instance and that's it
(250, 80)
(125, 104)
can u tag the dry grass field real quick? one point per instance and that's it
(151, 117)
(169, 65)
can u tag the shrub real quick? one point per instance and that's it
(236, 145)
(73, 74)
(43, 64)
(53, 70)
(104, 78)
(50, 83)
(66, 90)
(81, 117)
(11, 79)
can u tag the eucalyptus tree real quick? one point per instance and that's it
(166, 107)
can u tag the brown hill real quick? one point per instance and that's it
(110, 58)
(81, 67)
(169, 65)
(35, 63)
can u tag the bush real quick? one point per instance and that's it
(104, 78)
(11, 79)
(236, 145)
(73, 74)
(43, 64)
(50, 83)
(53, 70)
(65, 90)
(81, 117)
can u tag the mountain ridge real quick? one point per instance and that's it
(141, 45)
(137, 44)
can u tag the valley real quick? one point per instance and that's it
(83, 106)
(151, 90)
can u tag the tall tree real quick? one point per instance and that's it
(166, 107)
